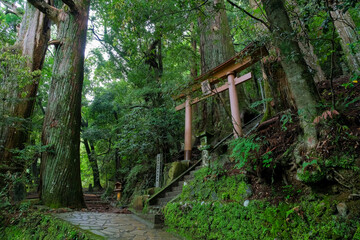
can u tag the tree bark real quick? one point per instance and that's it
(306, 47)
(34, 33)
(346, 29)
(300, 80)
(276, 84)
(216, 47)
(61, 181)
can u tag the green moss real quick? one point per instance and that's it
(41, 226)
(260, 220)
(307, 176)
(175, 170)
(205, 187)
(213, 208)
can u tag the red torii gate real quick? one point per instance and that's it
(247, 57)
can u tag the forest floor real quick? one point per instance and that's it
(339, 136)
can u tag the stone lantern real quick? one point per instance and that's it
(117, 190)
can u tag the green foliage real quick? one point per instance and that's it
(342, 161)
(261, 102)
(246, 153)
(285, 118)
(259, 220)
(311, 172)
(13, 78)
(352, 81)
(207, 187)
(39, 226)
(30, 152)
(243, 150)
(289, 191)
(267, 160)
(133, 184)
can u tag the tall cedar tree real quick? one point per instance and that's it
(60, 170)
(216, 47)
(300, 79)
(33, 36)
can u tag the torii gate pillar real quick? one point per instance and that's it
(188, 123)
(234, 104)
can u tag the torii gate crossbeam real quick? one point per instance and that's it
(228, 69)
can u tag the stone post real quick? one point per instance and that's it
(159, 168)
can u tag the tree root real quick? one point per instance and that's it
(342, 184)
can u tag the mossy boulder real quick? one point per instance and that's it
(173, 170)
(139, 202)
(152, 191)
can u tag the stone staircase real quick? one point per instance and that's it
(174, 190)
(154, 217)
(94, 203)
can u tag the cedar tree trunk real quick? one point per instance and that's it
(300, 80)
(61, 182)
(216, 47)
(346, 29)
(33, 36)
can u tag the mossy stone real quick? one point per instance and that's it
(175, 170)
(138, 202)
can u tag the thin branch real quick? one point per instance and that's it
(247, 13)
(96, 35)
(107, 151)
(71, 5)
(332, 58)
(50, 11)
(12, 8)
(139, 106)
(262, 12)
(39, 100)
(11, 12)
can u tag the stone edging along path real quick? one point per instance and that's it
(114, 226)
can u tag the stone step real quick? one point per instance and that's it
(172, 194)
(92, 198)
(154, 221)
(96, 202)
(180, 183)
(177, 188)
(192, 173)
(164, 201)
(188, 178)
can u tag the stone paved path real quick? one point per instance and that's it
(115, 226)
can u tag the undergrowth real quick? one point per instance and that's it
(259, 220)
(35, 225)
(216, 208)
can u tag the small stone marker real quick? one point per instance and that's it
(203, 147)
(342, 209)
(159, 165)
